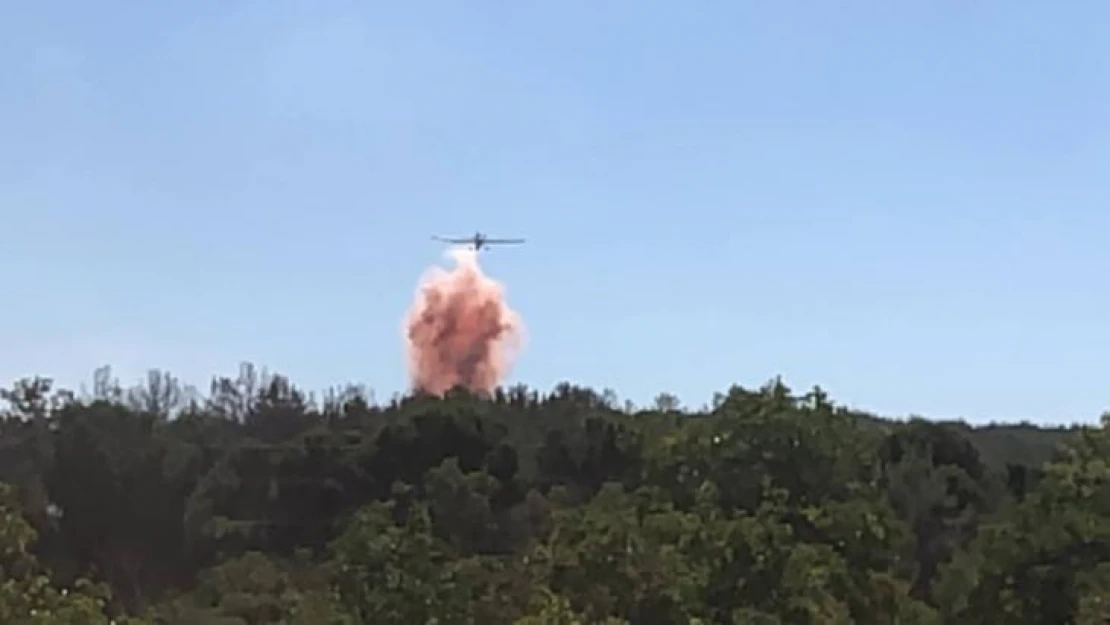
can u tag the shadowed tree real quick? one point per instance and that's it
(259, 504)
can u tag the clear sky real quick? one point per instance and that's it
(907, 203)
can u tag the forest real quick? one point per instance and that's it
(258, 503)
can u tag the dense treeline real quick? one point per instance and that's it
(258, 504)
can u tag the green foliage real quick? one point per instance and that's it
(552, 609)
(1048, 560)
(262, 505)
(27, 595)
(255, 590)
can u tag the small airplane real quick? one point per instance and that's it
(479, 240)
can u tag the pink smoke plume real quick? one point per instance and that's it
(460, 331)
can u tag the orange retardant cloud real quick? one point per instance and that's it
(460, 331)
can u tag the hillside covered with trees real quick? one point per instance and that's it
(256, 503)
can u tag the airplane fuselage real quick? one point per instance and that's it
(479, 240)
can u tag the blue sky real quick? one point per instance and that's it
(905, 203)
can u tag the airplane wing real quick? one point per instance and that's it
(450, 240)
(504, 241)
